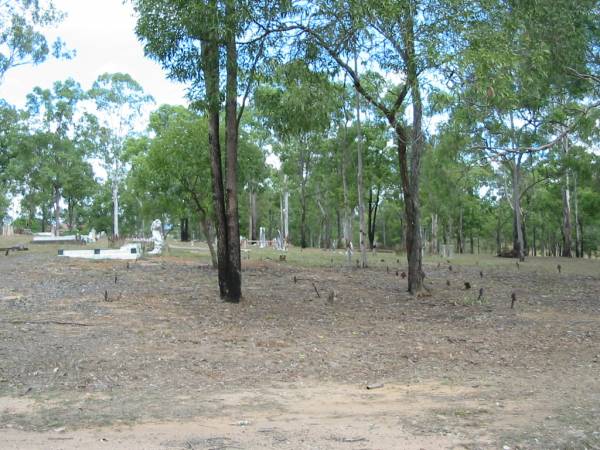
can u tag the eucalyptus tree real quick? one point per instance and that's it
(173, 164)
(11, 130)
(379, 173)
(51, 153)
(215, 46)
(119, 101)
(519, 59)
(22, 40)
(410, 39)
(298, 105)
(252, 168)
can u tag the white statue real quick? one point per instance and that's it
(157, 237)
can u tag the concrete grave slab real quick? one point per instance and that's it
(128, 251)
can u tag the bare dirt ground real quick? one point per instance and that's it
(162, 363)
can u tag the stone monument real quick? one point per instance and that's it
(157, 237)
(263, 239)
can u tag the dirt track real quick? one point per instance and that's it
(164, 364)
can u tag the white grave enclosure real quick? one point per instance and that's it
(43, 238)
(128, 251)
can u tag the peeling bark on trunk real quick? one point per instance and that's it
(225, 203)
(210, 67)
(234, 269)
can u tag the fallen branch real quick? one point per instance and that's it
(46, 322)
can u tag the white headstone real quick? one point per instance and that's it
(280, 241)
(7, 230)
(263, 239)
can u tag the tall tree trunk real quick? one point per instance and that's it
(461, 236)
(71, 213)
(205, 224)
(44, 218)
(184, 229)
(410, 167)
(383, 231)
(303, 168)
(115, 199)
(578, 228)
(250, 217)
(411, 189)
(303, 241)
(324, 229)
(471, 241)
(210, 68)
(567, 230)
(271, 220)
(339, 228)
(498, 236)
(518, 240)
(57, 210)
(286, 211)
(234, 269)
(347, 213)
(254, 216)
(433, 248)
(359, 180)
(373, 207)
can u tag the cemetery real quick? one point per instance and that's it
(110, 350)
(361, 225)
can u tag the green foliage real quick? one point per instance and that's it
(21, 38)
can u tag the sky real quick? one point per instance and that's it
(102, 34)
